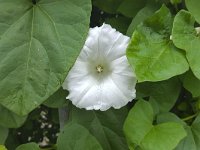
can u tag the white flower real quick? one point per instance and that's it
(101, 76)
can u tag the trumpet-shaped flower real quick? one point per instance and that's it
(101, 76)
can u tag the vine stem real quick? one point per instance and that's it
(63, 116)
(190, 117)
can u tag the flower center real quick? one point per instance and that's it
(99, 69)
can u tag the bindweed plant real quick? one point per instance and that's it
(99, 75)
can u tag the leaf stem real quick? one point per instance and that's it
(190, 117)
(63, 116)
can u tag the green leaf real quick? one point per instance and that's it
(169, 117)
(185, 37)
(38, 45)
(193, 6)
(196, 131)
(109, 6)
(130, 8)
(150, 49)
(188, 143)
(139, 122)
(29, 146)
(192, 84)
(105, 126)
(141, 15)
(3, 134)
(76, 137)
(57, 100)
(164, 136)
(163, 94)
(119, 23)
(139, 130)
(10, 119)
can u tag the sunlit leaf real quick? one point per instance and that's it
(151, 53)
(185, 37)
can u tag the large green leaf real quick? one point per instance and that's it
(29, 146)
(185, 37)
(105, 126)
(76, 137)
(3, 134)
(38, 45)
(193, 6)
(140, 131)
(10, 119)
(151, 53)
(163, 94)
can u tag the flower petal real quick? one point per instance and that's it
(115, 85)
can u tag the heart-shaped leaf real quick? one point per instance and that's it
(38, 45)
(186, 37)
(151, 53)
(140, 131)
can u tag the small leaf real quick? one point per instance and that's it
(150, 49)
(76, 137)
(29, 146)
(185, 37)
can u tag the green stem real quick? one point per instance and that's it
(190, 117)
(63, 116)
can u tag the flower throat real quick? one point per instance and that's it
(99, 69)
